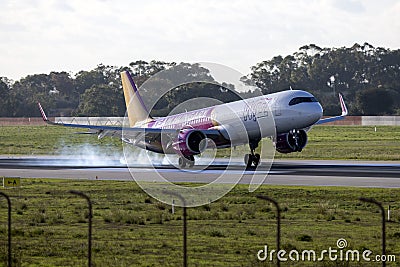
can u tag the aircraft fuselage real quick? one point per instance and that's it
(245, 120)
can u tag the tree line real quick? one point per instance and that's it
(368, 77)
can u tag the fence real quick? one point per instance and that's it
(368, 121)
(49, 227)
(114, 121)
(22, 121)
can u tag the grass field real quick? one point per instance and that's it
(325, 142)
(51, 140)
(351, 142)
(132, 229)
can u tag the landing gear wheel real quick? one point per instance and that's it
(186, 161)
(251, 160)
(248, 160)
(182, 162)
(256, 159)
(190, 161)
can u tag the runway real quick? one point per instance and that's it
(282, 172)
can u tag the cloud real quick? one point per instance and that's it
(63, 6)
(75, 35)
(352, 6)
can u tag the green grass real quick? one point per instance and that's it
(132, 229)
(351, 142)
(51, 140)
(344, 142)
(325, 142)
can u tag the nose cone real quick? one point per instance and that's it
(313, 112)
(316, 114)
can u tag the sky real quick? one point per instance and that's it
(40, 36)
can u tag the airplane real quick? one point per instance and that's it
(246, 121)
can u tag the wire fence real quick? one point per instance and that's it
(51, 228)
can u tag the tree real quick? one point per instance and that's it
(62, 82)
(3, 89)
(101, 100)
(375, 101)
(215, 93)
(322, 71)
(86, 79)
(161, 84)
(25, 94)
(142, 70)
(327, 71)
(4, 97)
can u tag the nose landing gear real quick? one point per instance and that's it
(252, 159)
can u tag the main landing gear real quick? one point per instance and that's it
(186, 161)
(252, 159)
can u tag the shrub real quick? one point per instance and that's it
(305, 238)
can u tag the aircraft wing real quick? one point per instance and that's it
(97, 129)
(129, 132)
(336, 118)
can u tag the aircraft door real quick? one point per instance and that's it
(276, 108)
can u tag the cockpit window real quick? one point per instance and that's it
(298, 100)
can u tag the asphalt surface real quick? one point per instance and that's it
(308, 173)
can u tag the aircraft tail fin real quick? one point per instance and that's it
(135, 107)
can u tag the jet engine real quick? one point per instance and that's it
(190, 142)
(293, 141)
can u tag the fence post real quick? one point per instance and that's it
(184, 225)
(373, 201)
(278, 224)
(9, 228)
(78, 193)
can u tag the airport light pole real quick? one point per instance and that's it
(78, 193)
(278, 224)
(373, 201)
(9, 227)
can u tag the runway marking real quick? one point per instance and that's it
(192, 172)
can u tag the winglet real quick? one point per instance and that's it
(43, 113)
(341, 117)
(343, 105)
(46, 120)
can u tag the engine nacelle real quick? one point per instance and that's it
(190, 142)
(293, 141)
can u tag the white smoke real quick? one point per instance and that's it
(100, 155)
(104, 155)
(88, 155)
(134, 156)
